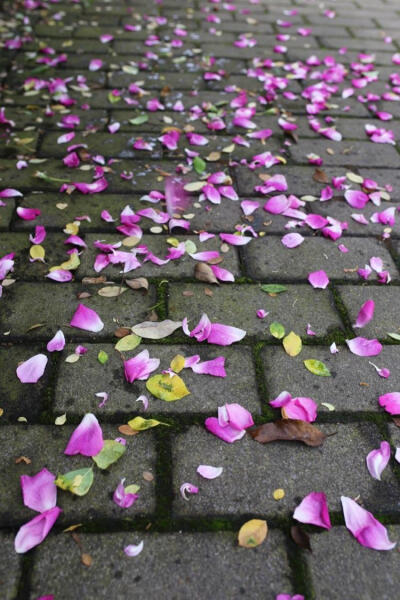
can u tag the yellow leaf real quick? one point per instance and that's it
(167, 388)
(111, 291)
(252, 533)
(177, 363)
(70, 265)
(278, 494)
(61, 420)
(140, 424)
(37, 252)
(292, 344)
(72, 228)
(128, 342)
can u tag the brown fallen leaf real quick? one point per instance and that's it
(23, 459)
(72, 528)
(290, 430)
(138, 283)
(122, 332)
(396, 421)
(203, 272)
(127, 430)
(147, 476)
(187, 294)
(86, 559)
(320, 176)
(93, 280)
(208, 292)
(300, 537)
(82, 295)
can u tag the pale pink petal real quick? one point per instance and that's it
(40, 235)
(121, 498)
(32, 369)
(366, 529)
(277, 204)
(188, 488)
(176, 198)
(235, 416)
(224, 335)
(57, 343)
(249, 206)
(391, 402)
(133, 550)
(87, 319)
(144, 400)
(382, 372)
(215, 367)
(10, 193)
(366, 314)
(376, 264)
(87, 438)
(39, 492)
(333, 348)
(318, 279)
(205, 256)
(228, 434)
(301, 408)
(202, 329)
(235, 240)
(60, 275)
(313, 510)
(356, 198)
(378, 459)
(222, 274)
(292, 240)
(209, 472)
(34, 532)
(364, 347)
(140, 366)
(397, 455)
(95, 64)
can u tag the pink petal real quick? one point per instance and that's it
(91, 188)
(222, 274)
(140, 366)
(292, 240)
(28, 214)
(366, 314)
(224, 335)
(60, 275)
(133, 550)
(249, 206)
(227, 434)
(235, 416)
(87, 319)
(377, 460)
(235, 240)
(206, 255)
(364, 347)
(316, 221)
(10, 193)
(40, 235)
(391, 402)
(202, 329)
(188, 488)
(356, 198)
(313, 510)
(215, 367)
(277, 204)
(176, 198)
(32, 369)
(39, 491)
(95, 64)
(34, 532)
(366, 529)
(87, 438)
(121, 498)
(302, 408)
(57, 343)
(209, 472)
(318, 279)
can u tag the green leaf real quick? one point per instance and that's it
(102, 357)
(395, 336)
(132, 489)
(199, 165)
(128, 342)
(139, 120)
(113, 99)
(317, 367)
(277, 330)
(140, 424)
(167, 388)
(273, 288)
(109, 454)
(77, 482)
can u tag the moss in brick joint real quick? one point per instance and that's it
(267, 412)
(341, 309)
(47, 413)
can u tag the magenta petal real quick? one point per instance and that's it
(140, 366)
(318, 279)
(87, 438)
(238, 417)
(292, 240)
(32, 369)
(60, 275)
(356, 199)
(313, 509)
(227, 433)
(57, 343)
(34, 532)
(277, 204)
(39, 491)
(366, 529)
(366, 314)
(377, 460)
(364, 347)
(121, 498)
(391, 402)
(87, 319)
(224, 335)
(215, 367)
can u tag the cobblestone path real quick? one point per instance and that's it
(243, 101)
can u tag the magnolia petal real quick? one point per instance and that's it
(366, 529)
(377, 460)
(87, 438)
(57, 343)
(123, 499)
(215, 367)
(366, 314)
(60, 275)
(356, 198)
(32, 369)
(318, 279)
(209, 472)
(140, 366)
(235, 416)
(292, 240)
(364, 347)
(87, 319)
(133, 550)
(39, 492)
(391, 402)
(313, 509)
(227, 433)
(224, 335)
(34, 532)
(188, 488)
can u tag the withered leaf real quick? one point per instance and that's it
(203, 272)
(396, 421)
(122, 332)
(127, 430)
(320, 176)
(86, 559)
(187, 293)
(300, 537)
(138, 283)
(147, 476)
(288, 429)
(23, 459)
(93, 280)
(82, 295)
(208, 292)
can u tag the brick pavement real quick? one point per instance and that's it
(190, 547)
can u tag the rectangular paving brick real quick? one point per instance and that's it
(44, 446)
(9, 567)
(237, 305)
(201, 565)
(296, 468)
(347, 154)
(78, 383)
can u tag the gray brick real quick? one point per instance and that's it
(10, 568)
(349, 154)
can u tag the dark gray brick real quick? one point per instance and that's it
(349, 154)
(10, 567)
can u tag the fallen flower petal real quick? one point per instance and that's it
(140, 366)
(32, 369)
(209, 472)
(39, 491)
(364, 347)
(318, 279)
(366, 314)
(228, 434)
(57, 343)
(60, 275)
(123, 499)
(87, 319)
(188, 488)
(366, 529)
(133, 550)
(28, 214)
(34, 532)
(292, 240)
(378, 459)
(87, 438)
(391, 402)
(224, 335)
(313, 510)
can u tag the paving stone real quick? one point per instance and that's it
(354, 384)
(10, 568)
(354, 154)
(237, 305)
(296, 468)
(337, 551)
(24, 118)
(201, 565)
(45, 447)
(55, 305)
(78, 383)
(386, 319)
(264, 258)
(6, 213)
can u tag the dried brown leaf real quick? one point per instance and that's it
(147, 476)
(127, 430)
(290, 430)
(91, 280)
(23, 459)
(320, 176)
(300, 537)
(203, 272)
(122, 332)
(86, 559)
(138, 283)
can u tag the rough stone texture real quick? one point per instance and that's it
(9, 568)
(78, 382)
(297, 469)
(238, 304)
(354, 154)
(338, 552)
(44, 446)
(201, 565)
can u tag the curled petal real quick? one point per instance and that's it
(87, 438)
(228, 433)
(209, 472)
(366, 314)
(313, 509)
(140, 366)
(377, 460)
(188, 488)
(121, 498)
(34, 532)
(32, 369)
(133, 550)
(366, 529)
(145, 401)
